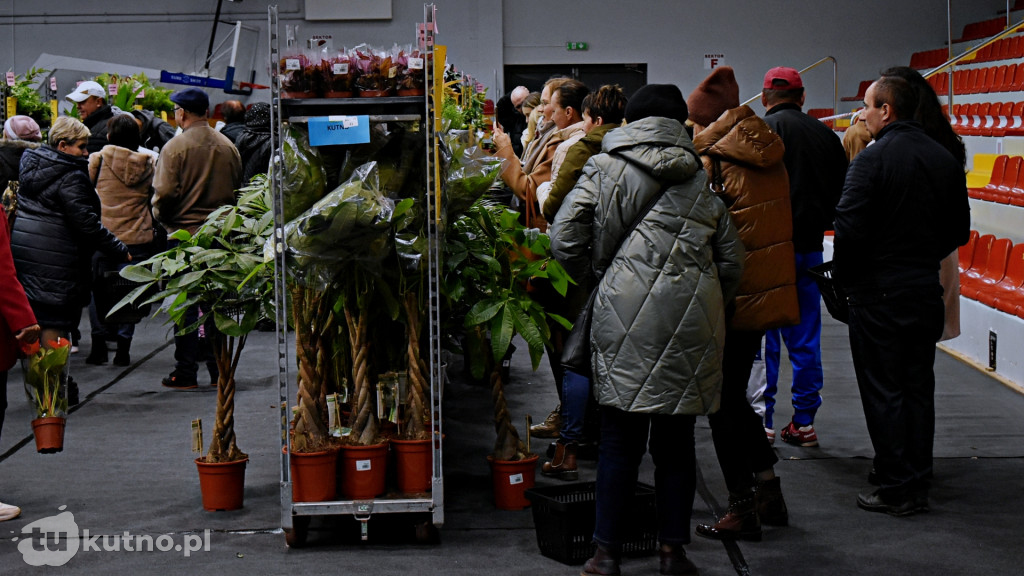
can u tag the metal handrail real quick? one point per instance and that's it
(952, 61)
(835, 82)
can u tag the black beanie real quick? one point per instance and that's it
(664, 100)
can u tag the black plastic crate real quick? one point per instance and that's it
(564, 519)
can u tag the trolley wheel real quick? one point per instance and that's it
(427, 533)
(296, 536)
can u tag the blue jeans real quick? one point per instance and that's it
(803, 341)
(624, 439)
(575, 395)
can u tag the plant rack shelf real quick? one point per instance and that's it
(295, 516)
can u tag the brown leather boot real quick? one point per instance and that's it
(771, 506)
(675, 562)
(551, 427)
(563, 465)
(740, 522)
(603, 563)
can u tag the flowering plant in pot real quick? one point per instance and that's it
(337, 75)
(221, 268)
(46, 374)
(411, 72)
(376, 74)
(298, 75)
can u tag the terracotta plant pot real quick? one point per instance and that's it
(314, 475)
(511, 479)
(334, 94)
(373, 93)
(414, 470)
(362, 471)
(298, 95)
(411, 92)
(222, 484)
(49, 433)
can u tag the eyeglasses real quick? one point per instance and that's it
(176, 108)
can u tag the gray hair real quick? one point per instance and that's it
(68, 129)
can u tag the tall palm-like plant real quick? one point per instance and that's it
(221, 268)
(490, 260)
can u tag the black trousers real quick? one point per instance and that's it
(892, 340)
(738, 432)
(3, 398)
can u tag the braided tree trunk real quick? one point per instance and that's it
(312, 317)
(222, 445)
(364, 425)
(507, 445)
(415, 406)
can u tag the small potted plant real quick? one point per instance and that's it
(222, 269)
(46, 374)
(337, 75)
(411, 72)
(377, 75)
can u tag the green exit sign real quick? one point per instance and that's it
(575, 45)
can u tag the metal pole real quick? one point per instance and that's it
(213, 36)
(949, 55)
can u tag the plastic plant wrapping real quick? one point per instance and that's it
(352, 222)
(471, 171)
(411, 71)
(337, 74)
(377, 76)
(304, 179)
(298, 73)
(46, 373)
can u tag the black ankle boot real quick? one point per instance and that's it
(121, 357)
(675, 562)
(98, 355)
(603, 563)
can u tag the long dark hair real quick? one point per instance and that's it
(929, 112)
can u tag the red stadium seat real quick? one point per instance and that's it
(998, 171)
(1001, 193)
(1008, 285)
(1016, 127)
(1007, 84)
(966, 252)
(1002, 119)
(994, 271)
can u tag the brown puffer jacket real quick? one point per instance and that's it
(743, 159)
(124, 182)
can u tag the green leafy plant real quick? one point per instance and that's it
(222, 268)
(45, 374)
(490, 260)
(30, 103)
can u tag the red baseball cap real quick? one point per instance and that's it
(782, 78)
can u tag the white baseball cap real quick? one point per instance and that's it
(86, 89)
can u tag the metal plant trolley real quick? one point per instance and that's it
(295, 516)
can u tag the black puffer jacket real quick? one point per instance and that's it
(97, 125)
(58, 229)
(10, 159)
(155, 133)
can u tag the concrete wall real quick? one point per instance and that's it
(671, 36)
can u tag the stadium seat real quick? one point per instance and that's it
(861, 91)
(998, 170)
(1007, 84)
(1016, 195)
(966, 252)
(971, 120)
(979, 258)
(989, 119)
(1007, 287)
(1001, 119)
(1001, 193)
(994, 271)
(1016, 127)
(1018, 79)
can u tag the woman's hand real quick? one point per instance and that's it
(500, 138)
(28, 334)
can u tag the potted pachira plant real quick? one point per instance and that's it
(222, 269)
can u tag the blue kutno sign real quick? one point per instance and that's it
(333, 130)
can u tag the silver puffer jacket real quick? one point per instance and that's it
(658, 322)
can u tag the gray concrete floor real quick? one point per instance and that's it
(127, 468)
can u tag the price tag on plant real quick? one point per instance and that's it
(10, 78)
(197, 436)
(415, 63)
(363, 465)
(515, 479)
(340, 68)
(112, 89)
(53, 83)
(292, 64)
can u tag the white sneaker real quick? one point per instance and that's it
(770, 433)
(8, 512)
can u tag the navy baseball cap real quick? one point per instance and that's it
(192, 99)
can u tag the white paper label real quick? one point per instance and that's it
(292, 64)
(10, 78)
(362, 465)
(415, 63)
(112, 89)
(141, 94)
(346, 121)
(340, 68)
(53, 83)
(515, 479)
